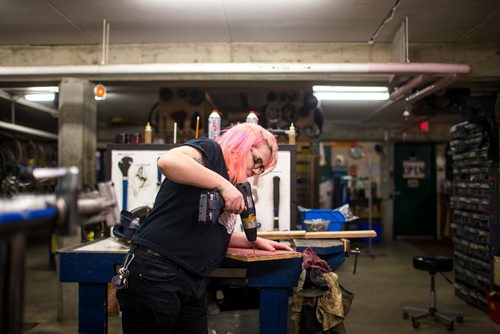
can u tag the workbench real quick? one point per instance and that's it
(93, 265)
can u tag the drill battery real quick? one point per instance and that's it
(211, 206)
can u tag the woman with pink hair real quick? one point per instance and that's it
(173, 253)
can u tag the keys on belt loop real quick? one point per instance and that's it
(120, 280)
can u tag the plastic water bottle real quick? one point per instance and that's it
(214, 125)
(252, 117)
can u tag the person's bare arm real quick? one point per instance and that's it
(239, 240)
(184, 165)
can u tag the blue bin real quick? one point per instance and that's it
(337, 220)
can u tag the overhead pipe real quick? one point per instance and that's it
(418, 68)
(438, 85)
(413, 83)
(235, 68)
(422, 70)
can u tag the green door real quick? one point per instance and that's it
(415, 190)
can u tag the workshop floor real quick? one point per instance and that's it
(385, 282)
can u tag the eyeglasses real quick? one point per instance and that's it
(257, 163)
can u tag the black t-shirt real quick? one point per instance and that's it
(172, 228)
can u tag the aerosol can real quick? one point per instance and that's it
(252, 117)
(214, 125)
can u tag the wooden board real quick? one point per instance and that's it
(247, 254)
(284, 235)
(322, 243)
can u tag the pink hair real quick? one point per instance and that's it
(236, 142)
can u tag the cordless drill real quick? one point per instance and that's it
(248, 215)
(212, 204)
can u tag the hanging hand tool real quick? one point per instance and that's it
(124, 165)
(348, 251)
(158, 175)
(276, 200)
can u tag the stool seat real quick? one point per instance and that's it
(433, 263)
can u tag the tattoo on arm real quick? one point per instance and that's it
(201, 161)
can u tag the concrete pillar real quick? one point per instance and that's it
(77, 128)
(387, 191)
(77, 147)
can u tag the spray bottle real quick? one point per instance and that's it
(252, 117)
(214, 125)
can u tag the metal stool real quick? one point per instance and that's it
(432, 264)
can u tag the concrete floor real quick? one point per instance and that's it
(384, 283)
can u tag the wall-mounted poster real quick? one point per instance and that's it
(414, 169)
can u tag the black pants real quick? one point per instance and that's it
(162, 298)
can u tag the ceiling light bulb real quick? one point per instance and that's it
(406, 114)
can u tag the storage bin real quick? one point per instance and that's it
(336, 219)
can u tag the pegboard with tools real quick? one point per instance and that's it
(137, 180)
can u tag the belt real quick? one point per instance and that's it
(148, 251)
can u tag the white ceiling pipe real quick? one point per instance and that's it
(258, 68)
(238, 68)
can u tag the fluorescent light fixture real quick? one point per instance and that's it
(40, 97)
(44, 89)
(351, 93)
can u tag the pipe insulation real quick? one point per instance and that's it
(237, 68)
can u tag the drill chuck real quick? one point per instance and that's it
(248, 215)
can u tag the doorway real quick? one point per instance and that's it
(415, 191)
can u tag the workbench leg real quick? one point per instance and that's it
(93, 308)
(273, 311)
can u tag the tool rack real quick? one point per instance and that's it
(475, 208)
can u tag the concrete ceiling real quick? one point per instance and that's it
(351, 22)
(57, 22)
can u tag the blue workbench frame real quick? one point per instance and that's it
(92, 270)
